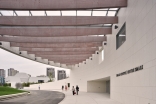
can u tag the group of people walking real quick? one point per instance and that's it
(77, 90)
(74, 91)
(63, 88)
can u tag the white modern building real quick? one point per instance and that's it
(123, 65)
(25, 78)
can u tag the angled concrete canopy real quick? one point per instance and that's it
(60, 4)
(56, 45)
(54, 32)
(56, 20)
(54, 39)
(68, 39)
(59, 49)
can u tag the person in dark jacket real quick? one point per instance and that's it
(77, 89)
(62, 87)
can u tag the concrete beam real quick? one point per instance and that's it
(56, 45)
(56, 20)
(82, 39)
(54, 32)
(59, 49)
(64, 56)
(60, 53)
(69, 60)
(60, 4)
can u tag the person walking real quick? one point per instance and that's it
(39, 87)
(66, 88)
(73, 90)
(62, 87)
(77, 89)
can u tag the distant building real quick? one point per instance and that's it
(2, 81)
(2, 73)
(24, 78)
(51, 70)
(61, 74)
(12, 72)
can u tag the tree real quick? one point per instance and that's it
(50, 76)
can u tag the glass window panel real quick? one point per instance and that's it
(83, 13)
(22, 13)
(113, 8)
(7, 12)
(111, 13)
(99, 13)
(53, 13)
(68, 13)
(38, 13)
(121, 36)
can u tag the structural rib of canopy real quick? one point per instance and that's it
(60, 4)
(60, 53)
(54, 32)
(56, 45)
(56, 20)
(54, 39)
(59, 49)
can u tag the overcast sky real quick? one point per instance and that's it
(10, 60)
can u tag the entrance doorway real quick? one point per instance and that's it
(99, 85)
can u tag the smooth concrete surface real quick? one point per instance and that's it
(83, 97)
(37, 97)
(87, 98)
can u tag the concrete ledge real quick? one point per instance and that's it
(5, 97)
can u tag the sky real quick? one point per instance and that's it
(10, 60)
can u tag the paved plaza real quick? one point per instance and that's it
(37, 97)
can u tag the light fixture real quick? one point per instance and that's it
(115, 26)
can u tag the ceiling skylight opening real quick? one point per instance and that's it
(98, 25)
(111, 13)
(7, 12)
(38, 13)
(105, 9)
(107, 24)
(22, 13)
(99, 13)
(68, 13)
(84, 13)
(113, 8)
(101, 35)
(53, 13)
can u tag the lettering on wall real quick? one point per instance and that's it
(130, 71)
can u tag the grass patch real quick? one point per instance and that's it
(9, 90)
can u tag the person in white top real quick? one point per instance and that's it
(73, 90)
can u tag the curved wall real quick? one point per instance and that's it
(138, 49)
